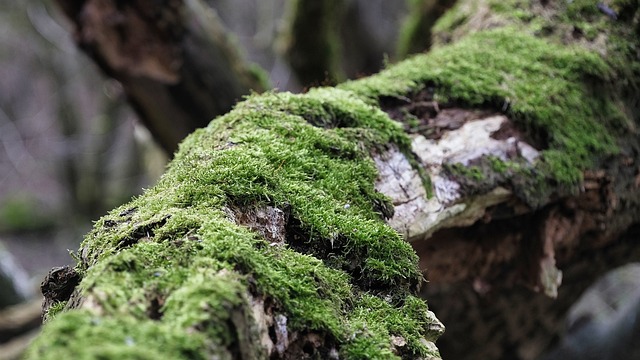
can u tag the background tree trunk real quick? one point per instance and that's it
(174, 60)
(512, 169)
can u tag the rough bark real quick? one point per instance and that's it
(173, 59)
(512, 164)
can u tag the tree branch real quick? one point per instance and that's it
(174, 60)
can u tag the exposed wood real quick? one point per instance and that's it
(554, 226)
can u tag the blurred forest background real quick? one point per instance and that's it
(71, 148)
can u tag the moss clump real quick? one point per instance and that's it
(83, 335)
(458, 15)
(54, 310)
(548, 89)
(487, 172)
(173, 256)
(375, 320)
(459, 170)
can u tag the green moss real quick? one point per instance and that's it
(456, 16)
(498, 165)
(543, 86)
(584, 32)
(459, 170)
(374, 321)
(581, 9)
(579, 22)
(173, 256)
(54, 310)
(83, 335)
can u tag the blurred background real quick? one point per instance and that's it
(70, 146)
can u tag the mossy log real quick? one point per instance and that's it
(311, 43)
(505, 156)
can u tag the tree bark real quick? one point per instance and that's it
(507, 157)
(174, 60)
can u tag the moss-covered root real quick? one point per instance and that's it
(174, 274)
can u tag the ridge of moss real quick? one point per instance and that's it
(174, 256)
(548, 89)
(83, 335)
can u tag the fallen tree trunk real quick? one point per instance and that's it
(504, 158)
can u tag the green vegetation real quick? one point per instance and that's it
(548, 89)
(542, 66)
(54, 310)
(21, 212)
(378, 320)
(82, 335)
(170, 269)
(471, 172)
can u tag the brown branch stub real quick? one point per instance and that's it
(58, 286)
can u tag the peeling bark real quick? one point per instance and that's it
(480, 242)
